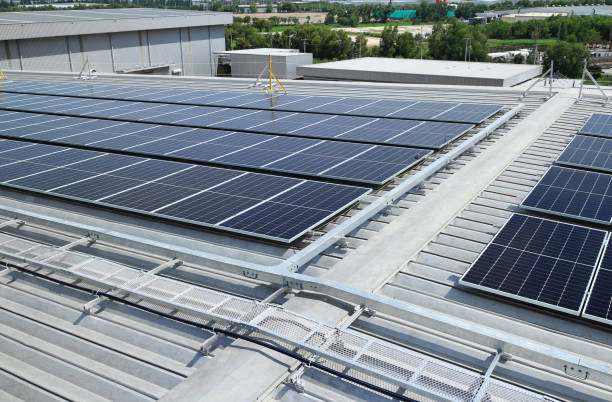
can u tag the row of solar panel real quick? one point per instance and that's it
(580, 194)
(361, 163)
(271, 207)
(553, 264)
(424, 134)
(421, 110)
(550, 264)
(592, 149)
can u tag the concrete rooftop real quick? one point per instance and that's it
(415, 71)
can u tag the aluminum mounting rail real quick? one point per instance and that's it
(415, 372)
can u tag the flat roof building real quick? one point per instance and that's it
(414, 71)
(112, 40)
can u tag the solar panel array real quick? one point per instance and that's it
(539, 261)
(195, 156)
(573, 193)
(599, 303)
(271, 207)
(588, 152)
(599, 125)
(422, 110)
(360, 163)
(425, 134)
(553, 264)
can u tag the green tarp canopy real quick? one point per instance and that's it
(403, 14)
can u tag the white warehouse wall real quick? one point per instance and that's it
(190, 49)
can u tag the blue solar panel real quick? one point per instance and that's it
(438, 111)
(588, 152)
(300, 156)
(469, 112)
(539, 261)
(573, 193)
(599, 125)
(230, 200)
(424, 110)
(599, 304)
(349, 128)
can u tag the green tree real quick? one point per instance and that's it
(388, 42)
(407, 46)
(568, 58)
(499, 30)
(562, 31)
(447, 42)
(253, 7)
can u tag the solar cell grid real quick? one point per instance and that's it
(599, 304)
(599, 125)
(349, 128)
(539, 261)
(573, 193)
(207, 196)
(588, 152)
(467, 113)
(301, 156)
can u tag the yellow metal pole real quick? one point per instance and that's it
(2, 76)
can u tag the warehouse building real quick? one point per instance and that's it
(416, 71)
(113, 40)
(104, 296)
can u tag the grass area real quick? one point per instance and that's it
(519, 42)
(282, 28)
(604, 81)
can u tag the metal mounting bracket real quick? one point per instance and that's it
(576, 371)
(295, 379)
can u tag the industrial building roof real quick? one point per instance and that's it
(264, 51)
(388, 288)
(584, 10)
(415, 71)
(37, 24)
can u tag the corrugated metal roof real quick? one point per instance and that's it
(44, 24)
(143, 356)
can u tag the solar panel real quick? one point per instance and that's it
(598, 125)
(539, 261)
(599, 303)
(588, 152)
(437, 111)
(361, 163)
(264, 206)
(424, 134)
(573, 193)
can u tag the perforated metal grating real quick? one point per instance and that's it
(372, 358)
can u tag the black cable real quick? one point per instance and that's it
(225, 332)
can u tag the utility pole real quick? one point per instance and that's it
(467, 42)
(536, 59)
(305, 41)
(290, 36)
(421, 42)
